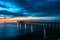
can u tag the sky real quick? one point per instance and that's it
(13, 10)
(29, 8)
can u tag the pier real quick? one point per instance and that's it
(44, 24)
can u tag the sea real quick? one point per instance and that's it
(10, 29)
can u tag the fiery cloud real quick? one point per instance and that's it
(26, 19)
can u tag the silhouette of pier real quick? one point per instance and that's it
(53, 24)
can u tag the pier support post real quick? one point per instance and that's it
(45, 30)
(20, 26)
(25, 27)
(31, 28)
(17, 25)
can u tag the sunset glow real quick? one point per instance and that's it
(25, 18)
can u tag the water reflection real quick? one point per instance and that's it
(8, 30)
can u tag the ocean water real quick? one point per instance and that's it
(9, 30)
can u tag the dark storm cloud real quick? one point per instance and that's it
(31, 7)
(10, 13)
(48, 7)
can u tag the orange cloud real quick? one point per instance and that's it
(25, 18)
(7, 20)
